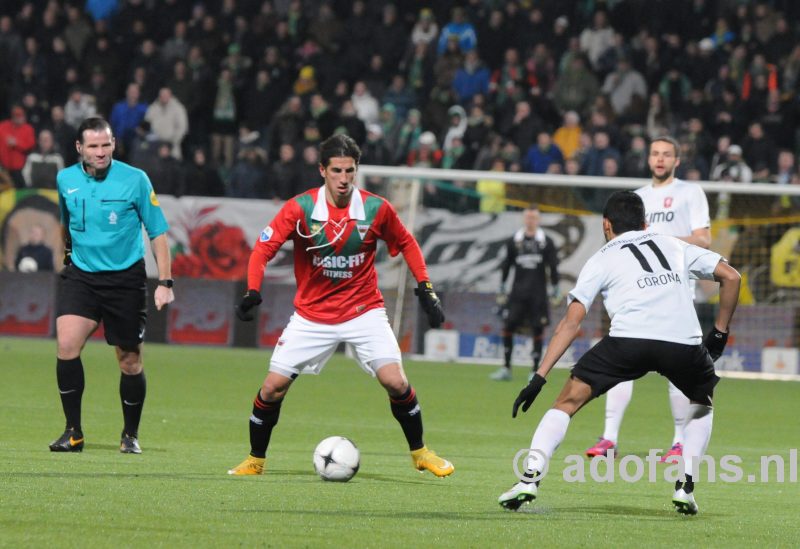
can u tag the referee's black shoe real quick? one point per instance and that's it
(129, 444)
(70, 441)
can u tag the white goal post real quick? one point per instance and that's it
(557, 180)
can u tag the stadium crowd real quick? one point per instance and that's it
(232, 98)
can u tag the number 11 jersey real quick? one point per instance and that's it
(642, 277)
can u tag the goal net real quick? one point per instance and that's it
(463, 218)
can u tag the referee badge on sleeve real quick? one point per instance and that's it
(266, 234)
(154, 198)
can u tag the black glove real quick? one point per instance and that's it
(715, 343)
(251, 300)
(430, 303)
(528, 394)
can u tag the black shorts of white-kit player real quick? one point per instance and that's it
(617, 359)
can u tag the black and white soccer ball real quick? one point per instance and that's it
(337, 459)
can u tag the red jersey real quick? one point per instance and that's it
(334, 252)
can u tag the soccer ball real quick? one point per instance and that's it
(336, 459)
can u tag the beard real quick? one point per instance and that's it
(663, 177)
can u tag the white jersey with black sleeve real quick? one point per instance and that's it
(676, 209)
(642, 276)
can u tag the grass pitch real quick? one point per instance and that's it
(177, 493)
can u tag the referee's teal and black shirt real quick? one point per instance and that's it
(105, 216)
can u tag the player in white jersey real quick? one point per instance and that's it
(677, 208)
(642, 277)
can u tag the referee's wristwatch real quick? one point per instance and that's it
(167, 282)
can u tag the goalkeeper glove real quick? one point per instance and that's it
(555, 294)
(251, 300)
(430, 303)
(528, 394)
(715, 343)
(501, 306)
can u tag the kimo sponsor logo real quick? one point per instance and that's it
(660, 217)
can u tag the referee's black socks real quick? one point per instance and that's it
(132, 390)
(69, 374)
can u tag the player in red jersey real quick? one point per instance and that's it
(335, 231)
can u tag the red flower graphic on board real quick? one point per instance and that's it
(215, 250)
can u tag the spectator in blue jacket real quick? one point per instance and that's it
(460, 27)
(101, 10)
(471, 79)
(544, 153)
(601, 149)
(126, 115)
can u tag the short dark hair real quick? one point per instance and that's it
(672, 141)
(532, 206)
(95, 124)
(336, 146)
(625, 211)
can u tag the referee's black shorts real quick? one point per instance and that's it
(118, 298)
(617, 359)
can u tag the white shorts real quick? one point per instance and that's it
(305, 346)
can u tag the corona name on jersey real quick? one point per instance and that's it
(339, 266)
(659, 280)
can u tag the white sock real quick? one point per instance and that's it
(549, 434)
(697, 433)
(679, 404)
(617, 400)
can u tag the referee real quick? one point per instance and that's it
(103, 205)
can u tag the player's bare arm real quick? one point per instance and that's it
(566, 332)
(699, 237)
(575, 393)
(729, 281)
